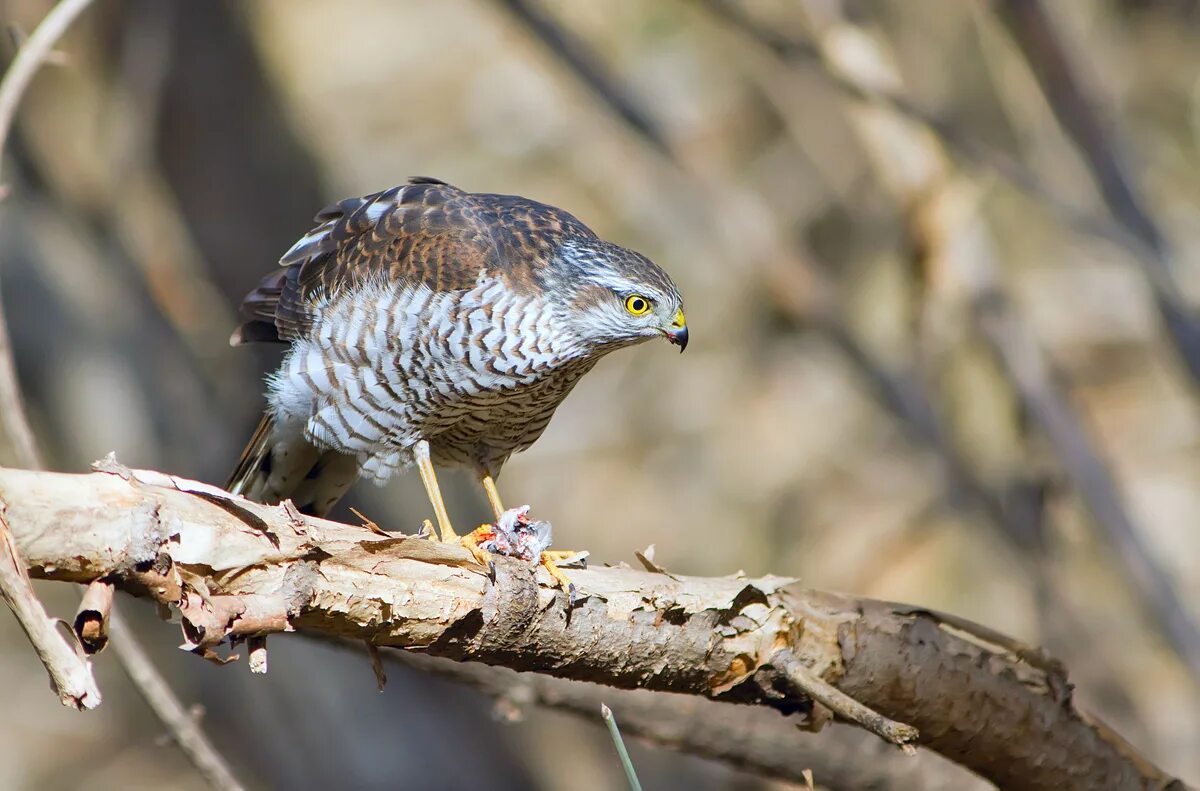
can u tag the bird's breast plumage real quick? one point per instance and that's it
(476, 372)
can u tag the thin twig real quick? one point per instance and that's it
(611, 723)
(179, 721)
(811, 685)
(30, 57)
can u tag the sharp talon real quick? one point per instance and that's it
(571, 596)
(491, 564)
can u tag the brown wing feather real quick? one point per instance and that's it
(425, 231)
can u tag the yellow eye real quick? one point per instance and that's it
(637, 305)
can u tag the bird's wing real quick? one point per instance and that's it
(424, 232)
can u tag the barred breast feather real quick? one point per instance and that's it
(476, 373)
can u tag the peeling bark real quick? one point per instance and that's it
(233, 570)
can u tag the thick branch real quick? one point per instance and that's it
(236, 569)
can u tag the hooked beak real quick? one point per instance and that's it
(678, 333)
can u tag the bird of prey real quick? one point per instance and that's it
(437, 327)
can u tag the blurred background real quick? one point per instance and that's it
(940, 263)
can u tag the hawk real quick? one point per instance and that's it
(430, 326)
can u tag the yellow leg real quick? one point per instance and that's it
(493, 495)
(429, 478)
(548, 562)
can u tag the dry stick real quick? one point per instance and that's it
(70, 672)
(30, 57)
(146, 678)
(181, 722)
(813, 686)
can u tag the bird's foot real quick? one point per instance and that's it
(472, 541)
(514, 534)
(549, 560)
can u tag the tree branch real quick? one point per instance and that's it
(235, 570)
(30, 57)
(753, 738)
(70, 672)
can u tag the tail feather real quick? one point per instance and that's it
(255, 461)
(279, 464)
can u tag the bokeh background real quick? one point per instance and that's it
(940, 262)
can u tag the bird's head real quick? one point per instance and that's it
(615, 297)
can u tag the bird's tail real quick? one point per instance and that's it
(279, 463)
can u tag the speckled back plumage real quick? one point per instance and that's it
(421, 312)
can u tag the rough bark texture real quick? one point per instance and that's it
(235, 569)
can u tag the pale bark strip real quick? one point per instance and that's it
(236, 569)
(69, 670)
